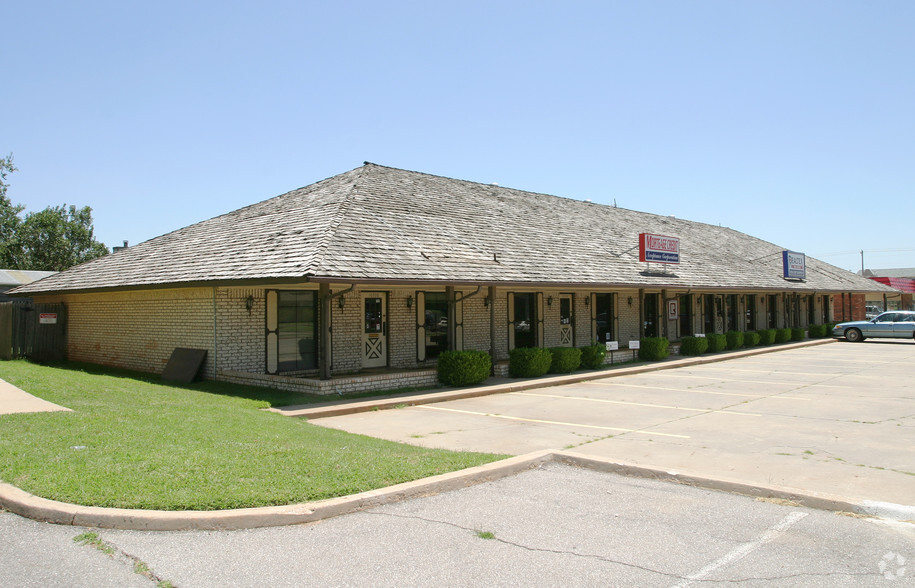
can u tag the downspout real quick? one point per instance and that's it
(492, 327)
(215, 338)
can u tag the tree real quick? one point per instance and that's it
(54, 239)
(9, 217)
(58, 237)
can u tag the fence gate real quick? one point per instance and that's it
(35, 331)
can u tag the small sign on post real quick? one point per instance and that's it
(613, 345)
(47, 318)
(635, 344)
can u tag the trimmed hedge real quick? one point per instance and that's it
(782, 335)
(693, 345)
(592, 356)
(653, 348)
(751, 339)
(818, 331)
(565, 360)
(716, 342)
(766, 336)
(798, 333)
(734, 339)
(463, 368)
(529, 362)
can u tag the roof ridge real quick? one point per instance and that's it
(330, 233)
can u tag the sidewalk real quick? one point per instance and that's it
(13, 400)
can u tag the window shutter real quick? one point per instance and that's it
(539, 319)
(421, 326)
(459, 323)
(272, 335)
(511, 320)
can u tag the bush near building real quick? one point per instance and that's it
(734, 339)
(782, 335)
(766, 336)
(565, 360)
(693, 345)
(798, 333)
(751, 339)
(529, 362)
(463, 368)
(716, 342)
(653, 348)
(592, 356)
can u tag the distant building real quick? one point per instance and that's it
(361, 280)
(10, 279)
(901, 279)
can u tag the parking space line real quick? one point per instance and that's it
(512, 418)
(741, 551)
(603, 400)
(759, 396)
(769, 383)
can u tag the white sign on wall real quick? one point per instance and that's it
(47, 318)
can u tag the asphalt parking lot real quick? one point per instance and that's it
(836, 419)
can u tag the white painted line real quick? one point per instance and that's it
(511, 418)
(768, 383)
(603, 400)
(738, 553)
(757, 396)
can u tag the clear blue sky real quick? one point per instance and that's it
(791, 121)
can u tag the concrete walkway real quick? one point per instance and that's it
(13, 400)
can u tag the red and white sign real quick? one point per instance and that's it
(47, 318)
(658, 248)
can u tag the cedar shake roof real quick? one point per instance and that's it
(376, 223)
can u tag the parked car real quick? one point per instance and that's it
(895, 323)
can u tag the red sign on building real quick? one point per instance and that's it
(658, 248)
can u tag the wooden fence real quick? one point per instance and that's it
(35, 331)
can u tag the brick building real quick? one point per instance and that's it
(377, 270)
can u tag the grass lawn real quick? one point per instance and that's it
(133, 442)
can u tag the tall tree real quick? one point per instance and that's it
(54, 239)
(58, 237)
(9, 217)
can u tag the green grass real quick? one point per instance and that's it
(138, 443)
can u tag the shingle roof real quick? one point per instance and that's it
(381, 223)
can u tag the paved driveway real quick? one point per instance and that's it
(837, 419)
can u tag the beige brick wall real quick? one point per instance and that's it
(138, 330)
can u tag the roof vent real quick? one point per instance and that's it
(115, 249)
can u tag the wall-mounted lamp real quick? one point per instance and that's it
(587, 301)
(249, 303)
(629, 301)
(486, 301)
(549, 301)
(409, 302)
(340, 302)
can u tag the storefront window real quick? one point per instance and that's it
(525, 320)
(297, 331)
(603, 313)
(436, 323)
(651, 315)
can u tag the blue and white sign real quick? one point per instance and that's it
(795, 265)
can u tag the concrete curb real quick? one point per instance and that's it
(51, 511)
(344, 407)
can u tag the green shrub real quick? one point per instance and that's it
(734, 339)
(716, 342)
(766, 336)
(565, 360)
(592, 356)
(529, 362)
(463, 368)
(653, 348)
(798, 333)
(782, 335)
(818, 331)
(693, 345)
(751, 339)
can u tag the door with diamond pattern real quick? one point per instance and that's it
(375, 334)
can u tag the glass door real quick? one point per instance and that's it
(374, 338)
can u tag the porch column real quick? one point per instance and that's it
(326, 329)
